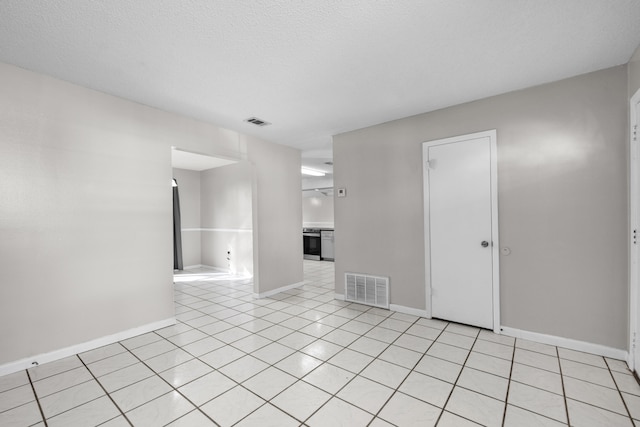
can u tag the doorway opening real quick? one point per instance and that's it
(213, 224)
(177, 228)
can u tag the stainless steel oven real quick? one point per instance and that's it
(311, 242)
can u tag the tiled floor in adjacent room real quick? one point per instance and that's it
(303, 358)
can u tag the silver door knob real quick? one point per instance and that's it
(484, 243)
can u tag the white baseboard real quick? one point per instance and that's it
(394, 307)
(51, 356)
(227, 271)
(221, 270)
(408, 310)
(193, 267)
(569, 343)
(631, 363)
(278, 290)
(583, 346)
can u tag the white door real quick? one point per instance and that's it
(460, 197)
(635, 309)
(634, 261)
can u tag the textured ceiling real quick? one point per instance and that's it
(314, 68)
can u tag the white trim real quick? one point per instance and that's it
(408, 310)
(495, 237)
(495, 248)
(327, 225)
(427, 233)
(51, 356)
(278, 290)
(218, 269)
(634, 224)
(583, 346)
(193, 267)
(394, 307)
(225, 230)
(229, 230)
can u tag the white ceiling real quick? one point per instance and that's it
(196, 162)
(314, 68)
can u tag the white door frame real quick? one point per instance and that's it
(495, 248)
(634, 232)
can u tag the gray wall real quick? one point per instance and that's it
(317, 211)
(227, 218)
(277, 224)
(562, 183)
(634, 73)
(85, 211)
(189, 190)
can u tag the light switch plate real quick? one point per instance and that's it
(342, 192)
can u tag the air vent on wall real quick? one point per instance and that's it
(256, 121)
(364, 289)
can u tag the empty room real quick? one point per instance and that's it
(356, 213)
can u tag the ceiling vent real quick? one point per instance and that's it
(256, 121)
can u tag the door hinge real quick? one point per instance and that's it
(634, 138)
(634, 236)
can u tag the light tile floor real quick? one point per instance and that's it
(303, 358)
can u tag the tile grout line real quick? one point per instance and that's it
(509, 382)
(618, 389)
(597, 385)
(105, 391)
(240, 384)
(194, 293)
(327, 361)
(373, 360)
(323, 362)
(62, 389)
(273, 365)
(466, 359)
(412, 370)
(564, 392)
(506, 397)
(335, 395)
(65, 389)
(531, 385)
(44, 419)
(170, 385)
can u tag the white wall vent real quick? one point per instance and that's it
(364, 289)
